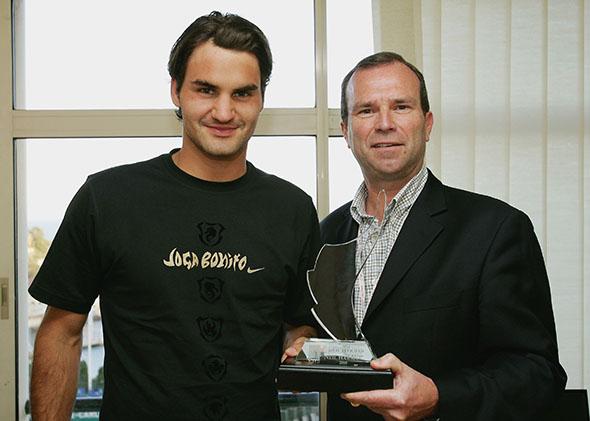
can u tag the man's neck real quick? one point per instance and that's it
(378, 198)
(209, 169)
(380, 194)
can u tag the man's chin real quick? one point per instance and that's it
(226, 154)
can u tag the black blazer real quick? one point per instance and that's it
(464, 299)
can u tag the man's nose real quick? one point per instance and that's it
(223, 109)
(386, 120)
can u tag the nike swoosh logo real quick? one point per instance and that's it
(254, 270)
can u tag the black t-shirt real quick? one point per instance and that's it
(195, 281)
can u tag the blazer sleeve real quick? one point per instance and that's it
(518, 375)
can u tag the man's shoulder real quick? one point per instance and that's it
(127, 182)
(471, 207)
(127, 170)
(339, 215)
(476, 201)
(279, 187)
(124, 181)
(338, 226)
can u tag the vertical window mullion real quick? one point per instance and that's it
(321, 91)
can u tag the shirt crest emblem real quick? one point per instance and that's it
(210, 289)
(215, 367)
(210, 328)
(210, 233)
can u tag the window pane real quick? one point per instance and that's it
(345, 174)
(114, 54)
(291, 158)
(350, 38)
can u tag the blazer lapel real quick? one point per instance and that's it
(417, 234)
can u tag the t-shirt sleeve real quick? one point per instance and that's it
(299, 301)
(69, 276)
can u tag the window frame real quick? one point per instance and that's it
(318, 121)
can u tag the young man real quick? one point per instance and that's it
(198, 257)
(455, 292)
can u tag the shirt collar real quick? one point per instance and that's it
(405, 197)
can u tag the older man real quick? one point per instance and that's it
(454, 295)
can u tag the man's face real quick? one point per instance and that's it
(386, 129)
(220, 100)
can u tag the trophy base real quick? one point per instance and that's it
(341, 377)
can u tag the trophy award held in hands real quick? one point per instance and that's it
(342, 363)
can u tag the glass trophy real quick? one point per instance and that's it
(341, 363)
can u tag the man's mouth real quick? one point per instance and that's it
(222, 131)
(385, 145)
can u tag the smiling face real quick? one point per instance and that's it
(386, 128)
(220, 100)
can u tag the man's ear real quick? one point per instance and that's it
(428, 123)
(344, 129)
(174, 93)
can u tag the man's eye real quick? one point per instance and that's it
(205, 90)
(365, 111)
(242, 94)
(402, 108)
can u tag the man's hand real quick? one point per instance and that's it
(413, 397)
(295, 337)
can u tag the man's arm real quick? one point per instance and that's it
(518, 375)
(295, 337)
(55, 365)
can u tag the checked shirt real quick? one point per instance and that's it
(375, 240)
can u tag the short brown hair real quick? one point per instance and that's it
(378, 59)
